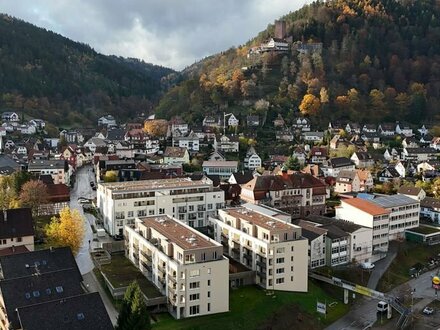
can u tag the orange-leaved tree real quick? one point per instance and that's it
(66, 230)
(310, 105)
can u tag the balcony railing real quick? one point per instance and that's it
(262, 264)
(147, 256)
(247, 256)
(172, 278)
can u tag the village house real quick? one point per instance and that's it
(16, 229)
(403, 129)
(95, 143)
(252, 161)
(72, 136)
(279, 121)
(233, 121)
(353, 128)
(366, 180)
(107, 120)
(337, 164)
(10, 117)
(252, 121)
(435, 143)
(39, 124)
(176, 155)
(300, 154)
(191, 142)
(386, 129)
(302, 124)
(369, 128)
(226, 143)
(58, 169)
(318, 155)
(315, 137)
(211, 121)
(223, 169)
(362, 159)
(347, 181)
(430, 208)
(177, 126)
(334, 142)
(419, 154)
(285, 135)
(413, 192)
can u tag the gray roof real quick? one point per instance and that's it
(393, 201)
(45, 164)
(7, 161)
(116, 134)
(85, 311)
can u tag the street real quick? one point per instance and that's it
(85, 264)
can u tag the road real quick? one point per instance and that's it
(85, 264)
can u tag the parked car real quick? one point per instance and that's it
(92, 184)
(382, 306)
(367, 265)
(428, 310)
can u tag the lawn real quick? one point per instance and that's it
(408, 255)
(121, 272)
(425, 230)
(250, 308)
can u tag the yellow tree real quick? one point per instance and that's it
(111, 176)
(156, 127)
(66, 230)
(310, 105)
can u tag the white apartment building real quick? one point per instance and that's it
(273, 248)
(370, 215)
(187, 267)
(224, 168)
(186, 200)
(58, 169)
(404, 213)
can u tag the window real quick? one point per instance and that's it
(194, 310)
(150, 212)
(209, 282)
(194, 296)
(280, 260)
(280, 250)
(209, 307)
(19, 239)
(130, 214)
(209, 269)
(161, 211)
(48, 291)
(280, 270)
(209, 294)
(194, 285)
(194, 273)
(280, 280)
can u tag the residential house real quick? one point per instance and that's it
(58, 169)
(222, 168)
(423, 130)
(279, 121)
(368, 214)
(353, 128)
(334, 142)
(8, 116)
(337, 164)
(425, 166)
(252, 121)
(233, 121)
(373, 138)
(430, 208)
(317, 244)
(273, 248)
(369, 128)
(435, 143)
(366, 180)
(386, 129)
(404, 130)
(302, 124)
(276, 44)
(318, 155)
(104, 164)
(410, 142)
(185, 265)
(217, 156)
(115, 135)
(241, 177)
(94, 143)
(419, 154)
(211, 121)
(107, 120)
(347, 181)
(178, 127)
(315, 137)
(362, 159)
(191, 142)
(252, 161)
(226, 143)
(425, 140)
(38, 123)
(176, 155)
(187, 200)
(285, 135)
(298, 194)
(412, 192)
(16, 229)
(394, 154)
(58, 197)
(72, 136)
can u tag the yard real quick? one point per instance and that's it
(251, 308)
(408, 255)
(121, 272)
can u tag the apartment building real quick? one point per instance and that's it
(58, 169)
(299, 194)
(370, 215)
(187, 267)
(273, 248)
(186, 200)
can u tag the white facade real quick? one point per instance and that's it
(233, 121)
(222, 168)
(252, 162)
(272, 247)
(187, 267)
(191, 142)
(188, 201)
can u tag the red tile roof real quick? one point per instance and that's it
(365, 206)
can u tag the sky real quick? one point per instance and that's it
(172, 33)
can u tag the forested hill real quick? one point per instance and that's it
(379, 62)
(45, 75)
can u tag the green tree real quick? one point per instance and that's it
(292, 163)
(134, 314)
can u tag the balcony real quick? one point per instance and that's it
(247, 256)
(147, 256)
(235, 250)
(261, 264)
(172, 299)
(172, 279)
(136, 256)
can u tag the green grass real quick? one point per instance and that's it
(425, 230)
(408, 255)
(117, 303)
(121, 272)
(250, 307)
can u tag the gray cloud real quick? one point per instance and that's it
(173, 33)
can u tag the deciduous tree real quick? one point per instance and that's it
(111, 176)
(33, 194)
(156, 127)
(310, 105)
(67, 229)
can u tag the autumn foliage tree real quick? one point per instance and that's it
(111, 176)
(156, 127)
(66, 230)
(33, 194)
(310, 105)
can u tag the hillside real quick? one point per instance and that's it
(379, 62)
(45, 75)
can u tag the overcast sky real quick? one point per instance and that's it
(173, 33)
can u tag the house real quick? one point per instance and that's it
(298, 194)
(367, 214)
(226, 143)
(169, 247)
(58, 169)
(211, 121)
(252, 161)
(222, 168)
(428, 166)
(300, 154)
(347, 181)
(388, 174)
(276, 44)
(72, 136)
(394, 154)
(404, 130)
(313, 136)
(249, 235)
(353, 128)
(334, 142)
(233, 121)
(369, 128)
(177, 126)
(279, 121)
(374, 138)
(386, 130)
(435, 143)
(16, 229)
(241, 177)
(425, 140)
(107, 120)
(38, 123)
(362, 159)
(312, 169)
(316, 237)
(191, 142)
(413, 192)
(191, 201)
(58, 197)
(115, 135)
(430, 208)
(337, 164)
(318, 155)
(252, 121)
(419, 154)
(285, 135)
(10, 117)
(217, 156)
(94, 143)
(410, 142)
(423, 130)
(302, 124)
(176, 155)
(366, 180)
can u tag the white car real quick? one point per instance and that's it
(367, 265)
(428, 310)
